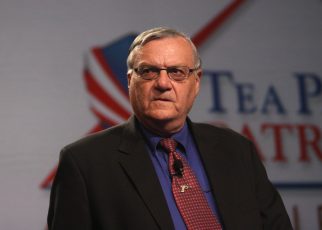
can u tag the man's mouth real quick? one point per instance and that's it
(162, 99)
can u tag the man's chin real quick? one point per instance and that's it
(162, 116)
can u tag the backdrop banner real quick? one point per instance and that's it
(63, 76)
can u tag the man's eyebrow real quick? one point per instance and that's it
(145, 64)
(148, 65)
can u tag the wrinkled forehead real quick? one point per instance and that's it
(168, 49)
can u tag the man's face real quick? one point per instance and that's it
(164, 100)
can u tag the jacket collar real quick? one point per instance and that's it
(136, 161)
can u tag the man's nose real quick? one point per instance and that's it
(163, 81)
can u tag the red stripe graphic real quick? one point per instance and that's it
(104, 97)
(50, 177)
(96, 128)
(213, 25)
(107, 69)
(102, 118)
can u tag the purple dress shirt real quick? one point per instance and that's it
(188, 149)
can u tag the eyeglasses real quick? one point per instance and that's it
(176, 73)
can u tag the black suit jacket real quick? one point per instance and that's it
(107, 181)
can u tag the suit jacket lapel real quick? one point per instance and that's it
(217, 166)
(136, 162)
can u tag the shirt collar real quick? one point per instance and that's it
(181, 137)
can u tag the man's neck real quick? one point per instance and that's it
(162, 128)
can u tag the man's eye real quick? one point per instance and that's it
(175, 71)
(148, 70)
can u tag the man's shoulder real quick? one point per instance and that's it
(227, 140)
(105, 140)
(210, 131)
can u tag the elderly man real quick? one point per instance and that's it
(159, 170)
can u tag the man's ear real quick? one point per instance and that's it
(199, 74)
(198, 79)
(129, 77)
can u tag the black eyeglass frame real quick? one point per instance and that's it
(157, 71)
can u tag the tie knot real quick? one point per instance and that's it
(169, 144)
